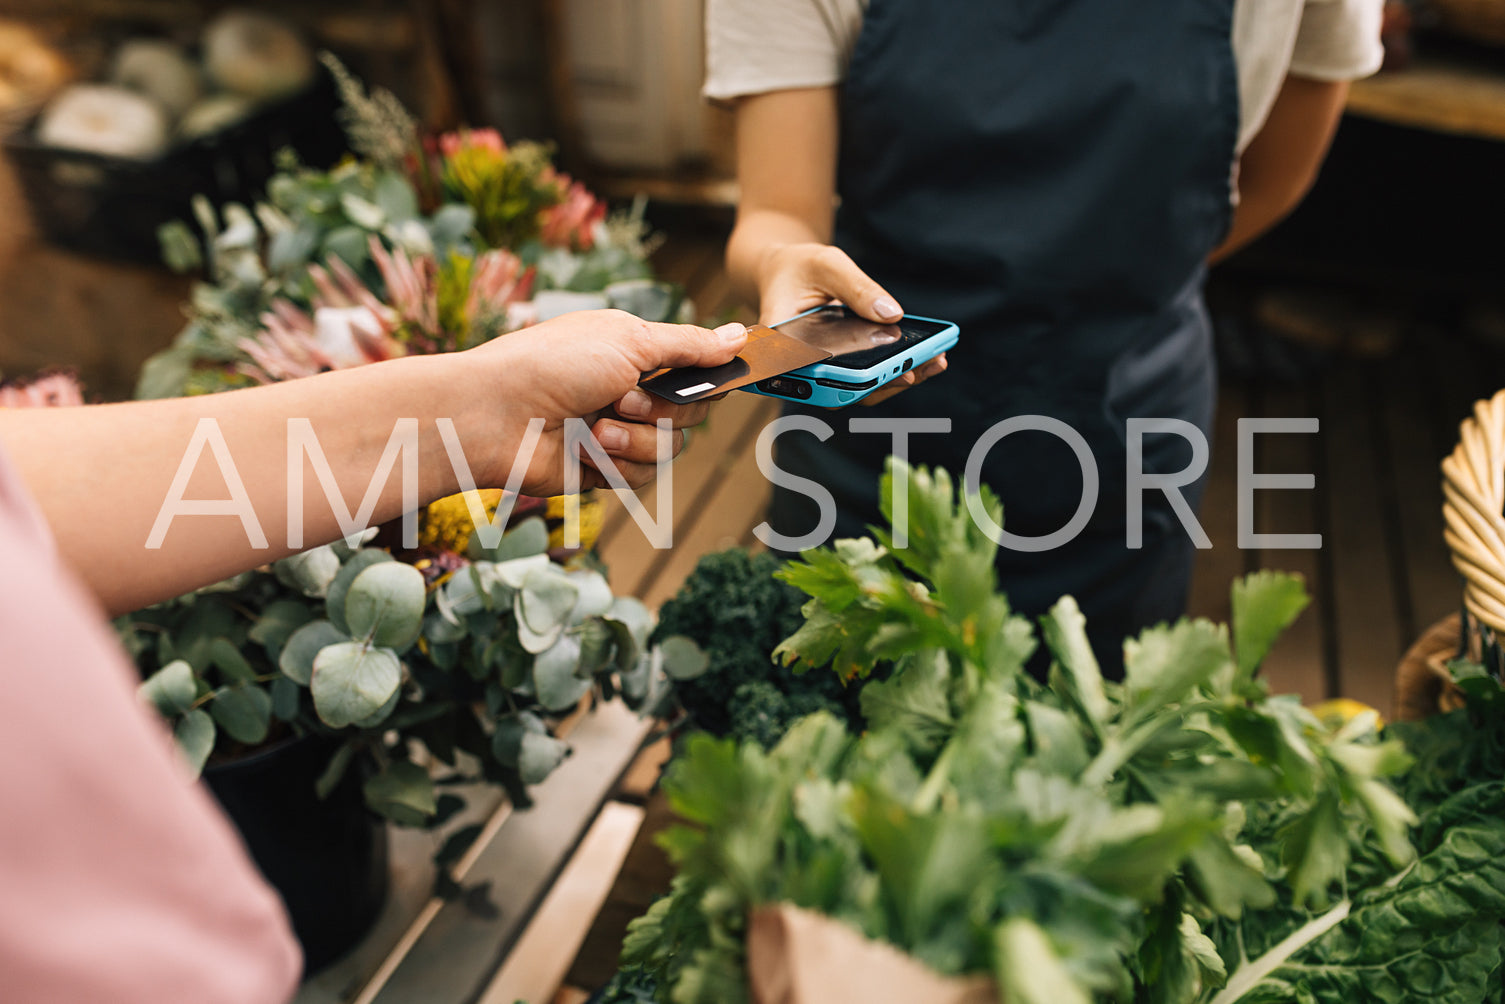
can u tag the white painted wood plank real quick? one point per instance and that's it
(537, 964)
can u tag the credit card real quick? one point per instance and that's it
(768, 353)
(838, 334)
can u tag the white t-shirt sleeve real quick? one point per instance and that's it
(753, 46)
(1338, 40)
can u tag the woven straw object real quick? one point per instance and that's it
(1473, 488)
(1473, 491)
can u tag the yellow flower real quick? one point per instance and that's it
(447, 523)
(1341, 710)
(592, 516)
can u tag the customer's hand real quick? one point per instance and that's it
(587, 365)
(794, 278)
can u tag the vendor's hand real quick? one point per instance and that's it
(587, 365)
(794, 278)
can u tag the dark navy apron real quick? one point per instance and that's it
(1051, 175)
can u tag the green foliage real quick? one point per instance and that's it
(1433, 932)
(734, 609)
(350, 642)
(1086, 841)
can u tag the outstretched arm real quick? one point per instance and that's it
(101, 474)
(1281, 162)
(780, 253)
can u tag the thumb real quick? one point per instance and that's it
(835, 272)
(655, 345)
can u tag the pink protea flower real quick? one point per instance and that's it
(46, 390)
(451, 143)
(351, 326)
(572, 223)
(497, 281)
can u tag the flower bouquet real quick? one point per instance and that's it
(413, 245)
(463, 649)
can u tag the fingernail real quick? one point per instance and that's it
(612, 438)
(635, 404)
(732, 333)
(886, 307)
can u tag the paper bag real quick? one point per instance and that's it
(798, 957)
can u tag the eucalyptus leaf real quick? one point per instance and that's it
(543, 606)
(362, 212)
(595, 597)
(506, 740)
(309, 572)
(195, 736)
(451, 224)
(243, 711)
(278, 620)
(348, 244)
(403, 792)
(231, 661)
(334, 602)
(303, 647)
(381, 714)
(554, 680)
(352, 681)
(682, 658)
(514, 572)
(208, 618)
(180, 247)
(394, 196)
(528, 538)
(290, 249)
(286, 698)
(348, 547)
(596, 648)
(385, 604)
(437, 630)
(461, 596)
(522, 742)
(171, 689)
(631, 622)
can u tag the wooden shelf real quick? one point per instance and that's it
(1459, 94)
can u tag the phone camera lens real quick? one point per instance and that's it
(787, 387)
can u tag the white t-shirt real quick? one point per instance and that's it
(808, 43)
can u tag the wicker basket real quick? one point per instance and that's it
(1480, 20)
(1473, 511)
(112, 206)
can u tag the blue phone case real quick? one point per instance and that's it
(830, 385)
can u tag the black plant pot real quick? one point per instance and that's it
(326, 858)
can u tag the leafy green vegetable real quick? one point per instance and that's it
(1089, 841)
(1432, 932)
(734, 608)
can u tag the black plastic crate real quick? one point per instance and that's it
(112, 206)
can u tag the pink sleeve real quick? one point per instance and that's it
(121, 880)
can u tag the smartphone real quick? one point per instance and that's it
(865, 355)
